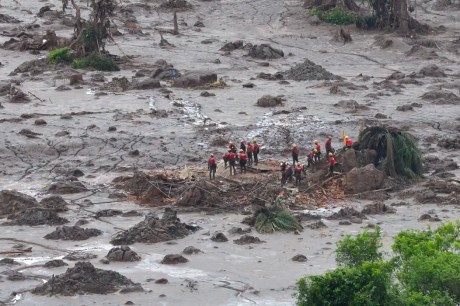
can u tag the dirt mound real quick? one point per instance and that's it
(108, 213)
(219, 237)
(67, 187)
(154, 229)
(418, 51)
(378, 208)
(73, 233)
(247, 239)
(308, 71)
(190, 250)
(265, 51)
(202, 193)
(78, 255)
(269, 101)
(364, 179)
(235, 45)
(346, 213)
(441, 97)
(195, 79)
(12, 202)
(173, 259)
(123, 253)
(84, 278)
(55, 263)
(432, 71)
(55, 202)
(36, 216)
(34, 67)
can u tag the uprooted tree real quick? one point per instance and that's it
(91, 35)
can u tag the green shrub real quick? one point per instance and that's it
(274, 218)
(337, 15)
(353, 252)
(97, 61)
(366, 22)
(62, 55)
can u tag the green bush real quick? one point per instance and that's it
(337, 15)
(353, 252)
(62, 55)
(366, 22)
(274, 218)
(97, 61)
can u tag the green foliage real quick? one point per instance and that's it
(337, 15)
(408, 158)
(353, 252)
(274, 218)
(366, 22)
(366, 285)
(97, 61)
(411, 298)
(62, 55)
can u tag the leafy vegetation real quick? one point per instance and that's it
(62, 55)
(275, 218)
(97, 61)
(425, 270)
(337, 15)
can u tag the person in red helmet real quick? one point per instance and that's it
(318, 150)
(212, 167)
(232, 147)
(232, 161)
(310, 158)
(348, 143)
(328, 145)
(295, 154)
(225, 158)
(255, 151)
(298, 169)
(243, 161)
(249, 150)
(332, 163)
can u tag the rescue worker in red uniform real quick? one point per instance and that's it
(283, 167)
(243, 161)
(249, 150)
(255, 151)
(232, 147)
(225, 158)
(243, 145)
(298, 169)
(212, 167)
(295, 154)
(348, 143)
(332, 163)
(310, 158)
(287, 175)
(328, 145)
(318, 150)
(232, 161)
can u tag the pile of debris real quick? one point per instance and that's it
(85, 278)
(73, 233)
(36, 216)
(308, 71)
(154, 229)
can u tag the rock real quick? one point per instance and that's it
(363, 179)
(195, 79)
(346, 213)
(15, 276)
(269, 76)
(378, 208)
(108, 213)
(98, 78)
(78, 255)
(132, 213)
(153, 230)
(247, 239)
(132, 288)
(199, 24)
(317, 225)
(55, 202)
(432, 71)
(344, 222)
(76, 79)
(207, 94)
(28, 133)
(208, 41)
(145, 84)
(81, 222)
(63, 88)
(84, 278)
(249, 85)
(314, 20)
(112, 129)
(40, 122)
(308, 71)
(134, 152)
(75, 173)
(265, 51)
(123, 253)
(219, 237)
(56, 263)
(12, 201)
(342, 35)
(173, 259)
(356, 220)
(8, 262)
(161, 281)
(239, 231)
(104, 261)
(441, 97)
(299, 258)
(405, 108)
(190, 250)
(450, 143)
(269, 101)
(351, 105)
(380, 116)
(73, 233)
(228, 47)
(349, 160)
(66, 187)
(36, 216)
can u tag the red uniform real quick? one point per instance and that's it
(331, 161)
(231, 156)
(349, 142)
(211, 161)
(212, 167)
(243, 156)
(318, 147)
(328, 145)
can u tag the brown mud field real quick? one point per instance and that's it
(104, 195)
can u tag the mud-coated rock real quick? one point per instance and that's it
(173, 259)
(349, 160)
(122, 253)
(54, 202)
(15, 276)
(432, 71)
(36, 216)
(73, 233)
(66, 187)
(161, 281)
(40, 122)
(269, 101)
(195, 79)
(265, 51)
(13, 201)
(108, 213)
(299, 258)
(363, 179)
(378, 208)
(84, 278)
(317, 225)
(238, 44)
(55, 263)
(79, 255)
(239, 231)
(247, 239)
(144, 84)
(219, 237)
(190, 250)
(8, 262)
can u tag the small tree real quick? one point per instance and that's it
(353, 252)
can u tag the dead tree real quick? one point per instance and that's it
(176, 26)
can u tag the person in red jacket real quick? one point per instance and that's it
(232, 161)
(295, 154)
(249, 150)
(310, 158)
(328, 145)
(212, 167)
(318, 150)
(225, 158)
(332, 163)
(348, 143)
(243, 161)
(255, 151)
(243, 145)
(298, 169)
(232, 147)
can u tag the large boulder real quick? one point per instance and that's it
(269, 101)
(12, 202)
(195, 79)
(364, 179)
(349, 160)
(265, 51)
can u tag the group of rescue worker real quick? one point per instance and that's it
(249, 151)
(247, 155)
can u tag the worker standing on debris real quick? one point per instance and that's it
(295, 154)
(283, 173)
(310, 158)
(332, 163)
(243, 145)
(318, 150)
(225, 158)
(232, 161)
(286, 173)
(232, 147)
(212, 167)
(243, 161)
(328, 145)
(298, 169)
(255, 151)
(348, 143)
(249, 150)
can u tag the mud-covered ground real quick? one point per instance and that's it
(96, 133)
